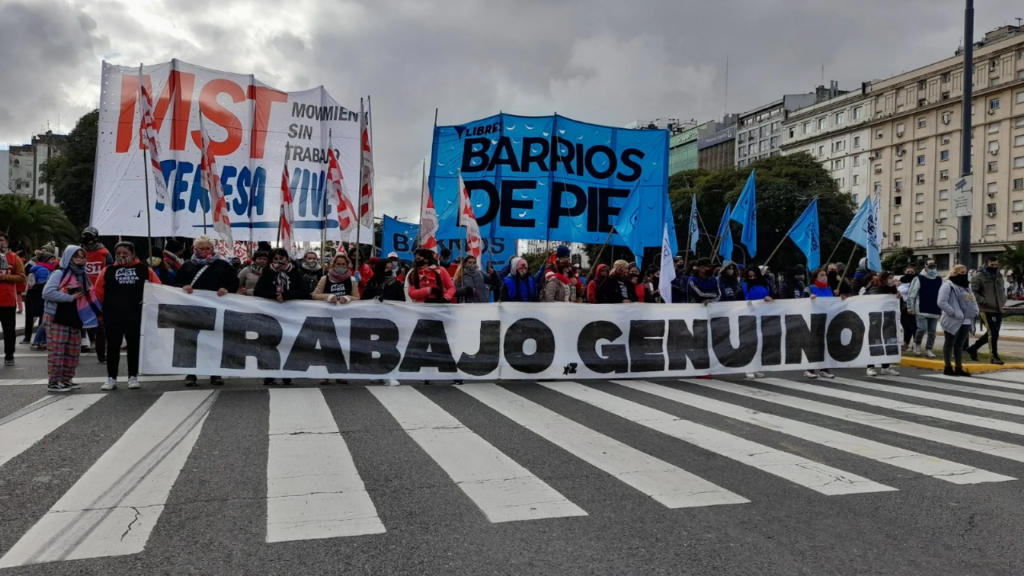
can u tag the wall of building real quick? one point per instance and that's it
(683, 151)
(5, 172)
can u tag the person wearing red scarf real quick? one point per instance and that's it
(557, 285)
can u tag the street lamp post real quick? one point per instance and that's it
(965, 146)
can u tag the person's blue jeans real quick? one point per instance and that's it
(40, 336)
(929, 326)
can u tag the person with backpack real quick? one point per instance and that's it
(518, 286)
(429, 283)
(34, 303)
(206, 271)
(12, 273)
(119, 290)
(959, 309)
(339, 285)
(64, 322)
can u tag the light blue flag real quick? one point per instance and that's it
(746, 214)
(804, 234)
(862, 231)
(632, 225)
(694, 229)
(725, 234)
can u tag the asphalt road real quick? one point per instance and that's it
(520, 478)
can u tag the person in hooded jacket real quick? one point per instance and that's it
(44, 266)
(882, 284)
(757, 286)
(493, 281)
(339, 285)
(959, 309)
(120, 290)
(470, 284)
(208, 272)
(518, 286)
(616, 288)
(729, 285)
(599, 275)
(793, 286)
(923, 305)
(67, 284)
(311, 270)
(281, 281)
(385, 284)
(172, 255)
(638, 289)
(860, 277)
(907, 320)
(558, 287)
(161, 267)
(703, 285)
(248, 276)
(429, 283)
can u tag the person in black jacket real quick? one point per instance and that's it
(383, 285)
(206, 271)
(282, 281)
(616, 288)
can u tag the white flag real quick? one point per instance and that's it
(148, 135)
(668, 268)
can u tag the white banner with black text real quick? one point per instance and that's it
(244, 336)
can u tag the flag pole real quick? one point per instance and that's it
(145, 178)
(848, 263)
(323, 232)
(836, 249)
(772, 255)
(281, 212)
(359, 210)
(373, 175)
(597, 259)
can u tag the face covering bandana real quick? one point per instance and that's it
(960, 280)
(125, 260)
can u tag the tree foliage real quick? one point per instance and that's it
(897, 261)
(30, 223)
(71, 173)
(785, 186)
(1012, 260)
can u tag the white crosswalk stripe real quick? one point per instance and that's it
(957, 388)
(945, 398)
(992, 379)
(20, 430)
(796, 469)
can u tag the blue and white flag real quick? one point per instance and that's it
(746, 214)
(804, 234)
(632, 218)
(668, 267)
(694, 229)
(863, 230)
(725, 235)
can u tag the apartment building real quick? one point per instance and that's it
(759, 131)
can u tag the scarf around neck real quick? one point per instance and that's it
(282, 281)
(336, 278)
(201, 262)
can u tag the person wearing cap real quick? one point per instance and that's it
(311, 271)
(396, 267)
(172, 254)
(119, 290)
(429, 283)
(703, 286)
(250, 275)
(518, 286)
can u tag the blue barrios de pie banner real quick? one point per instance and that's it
(549, 178)
(400, 238)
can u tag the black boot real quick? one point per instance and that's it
(962, 373)
(268, 381)
(973, 353)
(948, 371)
(997, 361)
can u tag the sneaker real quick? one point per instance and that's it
(995, 360)
(751, 375)
(23, 342)
(759, 374)
(8, 361)
(37, 347)
(392, 382)
(872, 372)
(58, 387)
(826, 374)
(190, 381)
(929, 353)
(325, 382)
(973, 353)
(962, 373)
(216, 381)
(268, 381)
(133, 383)
(72, 385)
(915, 349)
(111, 384)
(810, 374)
(85, 348)
(889, 372)
(948, 371)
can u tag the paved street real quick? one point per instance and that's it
(910, 475)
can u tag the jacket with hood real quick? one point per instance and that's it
(40, 271)
(990, 290)
(119, 289)
(11, 276)
(424, 283)
(729, 288)
(52, 293)
(959, 307)
(266, 286)
(700, 290)
(557, 287)
(615, 290)
(923, 296)
(859, 275)
(472, 282)
(592, 285)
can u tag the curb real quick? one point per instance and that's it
(1001, 337)
(938, 365)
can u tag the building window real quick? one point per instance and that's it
(920, 178)
(856, 179)
(900, 129)
(943, 213)
(898, 184)
(993, 82)
(1017, 229)
(922, 123)
(792, 133)
(751, 149)
(993, 166)
(858, 112)
(1018, 140)
(920, 160)
(1019, 122)
(1020, 97)
(993, 104)
(763, 131)
(822, 122)
(856, 199)
(945, 139)
(990, 230)
(993, 128)
(942, 233)
(897, 200)
(775, 127)
(919, 198)
(839, 146)
(878, 186)
(899, 165)
(992, 208)
(1018, 205)
(879, 135)
(922, 144)
(943, 194)
(945, 95)
(896, 237)
(840, 118)
(807, 127)
(897, 219)
(1018, 183)
(856, 141)
(821, 150)
(945, 78)
(944, 175)
(839, 164)
(918, 236)
(856, 161)
(922, 85)
(944, 155)
(840, 182)
(992, 187)
(947, 117)
(993, 146)
(775, 142)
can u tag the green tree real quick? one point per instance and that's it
(71, 173)
(785, 186)
(31, 223)
(536, 261)
(1012, 259)
(898, 260)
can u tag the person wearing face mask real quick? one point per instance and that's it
(729, 283)
(283, 282)
(883, 284)
(161, 267)
(703, 286)
(959, 309)
(637, 287)
(208, 272)
(600, 274)
(989, 288)
(923, 306)
(12, 273)
(470, 284)
(249, 275)
(556, 286)
(384, 285)
(339, 285)
(617, 287)
(172, 254)
(62, 320)
(493, 281)
(44, 266)
(819, 289)
(757, 287)
(119, 290)
(794, 286)
(99, 258)
(311, 271)
(907, 321)
(518, 286)
(840, 286)
(428, 282)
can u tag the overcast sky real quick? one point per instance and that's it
(603, 61)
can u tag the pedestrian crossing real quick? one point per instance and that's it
(317, 485)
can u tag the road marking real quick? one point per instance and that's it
(921, 463)
(20, 430)
(801, 471)
(504, 490)
(957, 388)
(113, 508)
(313, 487)
(913, 429)
(1016, 376)
(665, 483)
(958, 400)
(91, 380)
(984, 379)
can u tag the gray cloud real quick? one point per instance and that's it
(603, 61)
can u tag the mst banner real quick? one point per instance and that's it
(240, 336)
(249, 124)
(548, 178)
(400, 238)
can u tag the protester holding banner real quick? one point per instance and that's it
(702, 287)
(470, 284)
(119, 290)
(98, 258)
(64, 288)
(598, 276)
(638, 287)
(384, 285)
(493, 282)
(557, 287)
(729, 285)
(793, 285)
(338, 286)
(840, 286)
(311, 270)
(757, 287)
(249, 275)
(616, 288)
(883, 284)
(282, 281)
(819, 288)
(12, 273)
(208, 272)
(428, 282)
(959, 309)
(518, 286)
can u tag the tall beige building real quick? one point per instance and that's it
(903, 136)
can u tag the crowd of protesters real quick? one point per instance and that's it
(90, 291)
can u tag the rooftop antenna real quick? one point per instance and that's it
(1019, 20)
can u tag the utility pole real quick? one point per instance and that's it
(965, 146)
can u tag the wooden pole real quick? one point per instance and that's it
(323, 231)
(359, 210)
(597, 258)
(774, 252)
(834, 250)
(848, 263)
(373, 175)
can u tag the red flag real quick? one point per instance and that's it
(336, 193)
(287, 213)
(148, 137)
(474, 243)
(211, 181)
(428, 218)
(366, 181)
